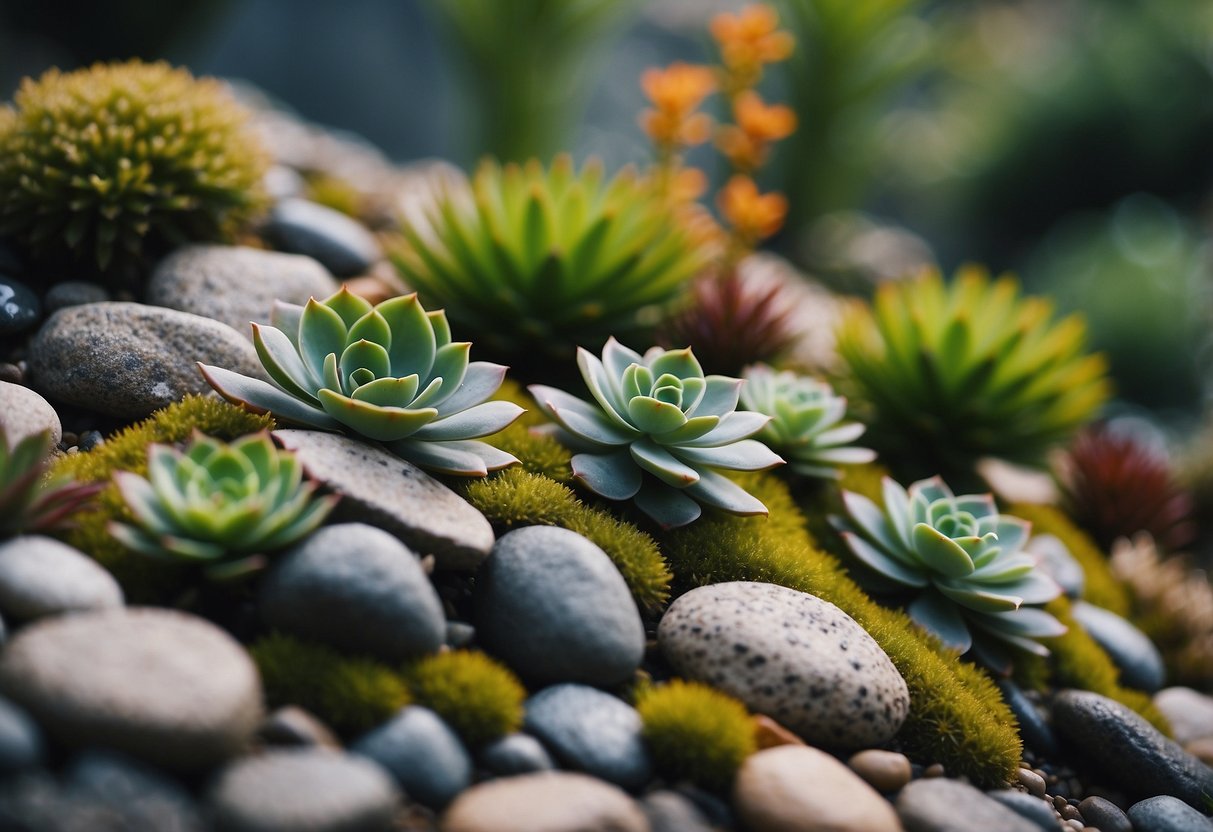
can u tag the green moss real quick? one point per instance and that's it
(1101, 587)
(478, 697)
(696, 733)
(349, 694)
(335, 193)
(957, 716)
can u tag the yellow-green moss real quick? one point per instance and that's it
(334, 193)
(696, 733)
(957, 716)
(1101, 586)
(349, 694)
(478, 697)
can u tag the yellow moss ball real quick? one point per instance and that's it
(478, 697)
(696, 733)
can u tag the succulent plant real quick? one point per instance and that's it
(805, 421)
(389, 373)
(542, 261)
(950, 374)
(28, 501)
(222, 506)
(975, 586)
(659, 431)
(117, 162)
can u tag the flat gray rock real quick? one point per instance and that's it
(381, 489)
(40, 576)
(1167, 814)
(422, 753)
(1130, 752)
(23, 412)
(790, 655)
(555, 801)
(127, 359)
(341, 243)
(161, 685)
(236, 285)
(1141, 665)
(552, 606)
(942, 805)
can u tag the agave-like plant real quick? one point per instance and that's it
(975, 585)
(389, 373)
(222, 506)
(29, 502)
(806, 425)
(659, 431)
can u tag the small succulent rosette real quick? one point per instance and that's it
(28, 501)
(220, 506)
(806, 426)
(658, 431)
(974, 585)
(389, 373)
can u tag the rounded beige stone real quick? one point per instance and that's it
(545, 802)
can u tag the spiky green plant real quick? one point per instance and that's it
(116, 163)
(29, 502)
(805, 421)
(974, 586)
(543, 261)
(695, 732)
(950, 374)
(389, 373)
(219, 506)
(659, 431)
(478, 697)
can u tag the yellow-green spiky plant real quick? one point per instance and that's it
(112, 164)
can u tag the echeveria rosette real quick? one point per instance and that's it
(975, 585)
(389, 373)
(221, 506)
(660, 432)
(806, 425)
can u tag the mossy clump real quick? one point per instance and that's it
(349, 694)
(696, 733)
(477, 696)
(117, 163)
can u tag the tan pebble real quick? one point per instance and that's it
(1060, 802)
(1032, 781)
(770, 734)
(933, 770)
(1070, 813)
(1076, 825)
(1202, 749)
(886, 771)
(547, 802)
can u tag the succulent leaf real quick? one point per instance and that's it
(29, 501)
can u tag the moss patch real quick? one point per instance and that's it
(696, 733)
(478, 697)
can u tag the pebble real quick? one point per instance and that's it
(1201, 749)
(309, 790)
(556, 801)
(1128, 750)
(943, 805)
(1055, 559)
(422, 753)
(74, 293)
(40, 576)
(1033, 782)
(1104, 815)
(161, 685)
(127, 359)
(379, 488)
(357, 588)
(21, 745)
(235, 284)
(1141, 665)
(591, 731)
(90, 439)
(669, 811)
(459, 634)
(342, 244)
(25, 413)
(1034, 725)
(1035, 809)
(294, 726)
(1164, 813)
(768, 733)
(19, 307)
(551, 605)
(885, 771)
(790, 655)
(1190, 713)
(516, 754)
(11, 373)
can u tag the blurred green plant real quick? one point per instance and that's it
(29, 501)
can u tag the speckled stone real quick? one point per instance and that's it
(942, 805)
(790, 655)
(554, 801)
(24, 412)
(1189, 711)
(41, 576)
(1167, 814)
(341, 243)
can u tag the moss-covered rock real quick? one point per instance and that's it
(477, 696)
(696, 733)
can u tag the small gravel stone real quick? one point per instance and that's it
(24, 413)
(669, 811)
(422, 753)
(1190, 713)
(19, 306)
(74, 293)
(303, 790)
(459, 634)
(90, 439)
(40, 576)
(1035, 809)
(1141, 665)
(551, 605)
(885, 771)
(1033, 782)
(1167, 814)
(516, 754)
(943, 805)
(21, 745)
(554, 801)
(933, 770)
(342, 244)
(11, 373)
(1068, 812)
(1104, 815)
(293, 726)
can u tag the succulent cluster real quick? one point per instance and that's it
(974, 585)
(950, 374)
(540, 261)
(389, 373)
(806, 426)
(114, 163)
(28, 501)
(659, 431)
(221, 506)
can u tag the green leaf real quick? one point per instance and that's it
(413, 342)
(662, 464)
(383, 424)
(613, 476)
(669, 507)
(322, 333)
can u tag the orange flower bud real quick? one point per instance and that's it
(752, 215)
(751, 37)
(760, 122)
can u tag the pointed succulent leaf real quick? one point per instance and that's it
(935, 613)
(613, 476)
(669, 507)
(481, 420)
(383, 424)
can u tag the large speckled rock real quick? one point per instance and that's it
(128, 359)
(381, 489)
(24, 412)
(943, 805)
(548, 802)
(168, 687)
(795, 788)
(234, 284)
(789, 655)
(41, 576)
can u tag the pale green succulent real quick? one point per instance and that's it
(805, 421)
(389, 373)
(659, 431)
(217, 505)
(974, 584)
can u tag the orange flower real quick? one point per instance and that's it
(752, 215)
(676, 93)
(763, 123)
(751, 37)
